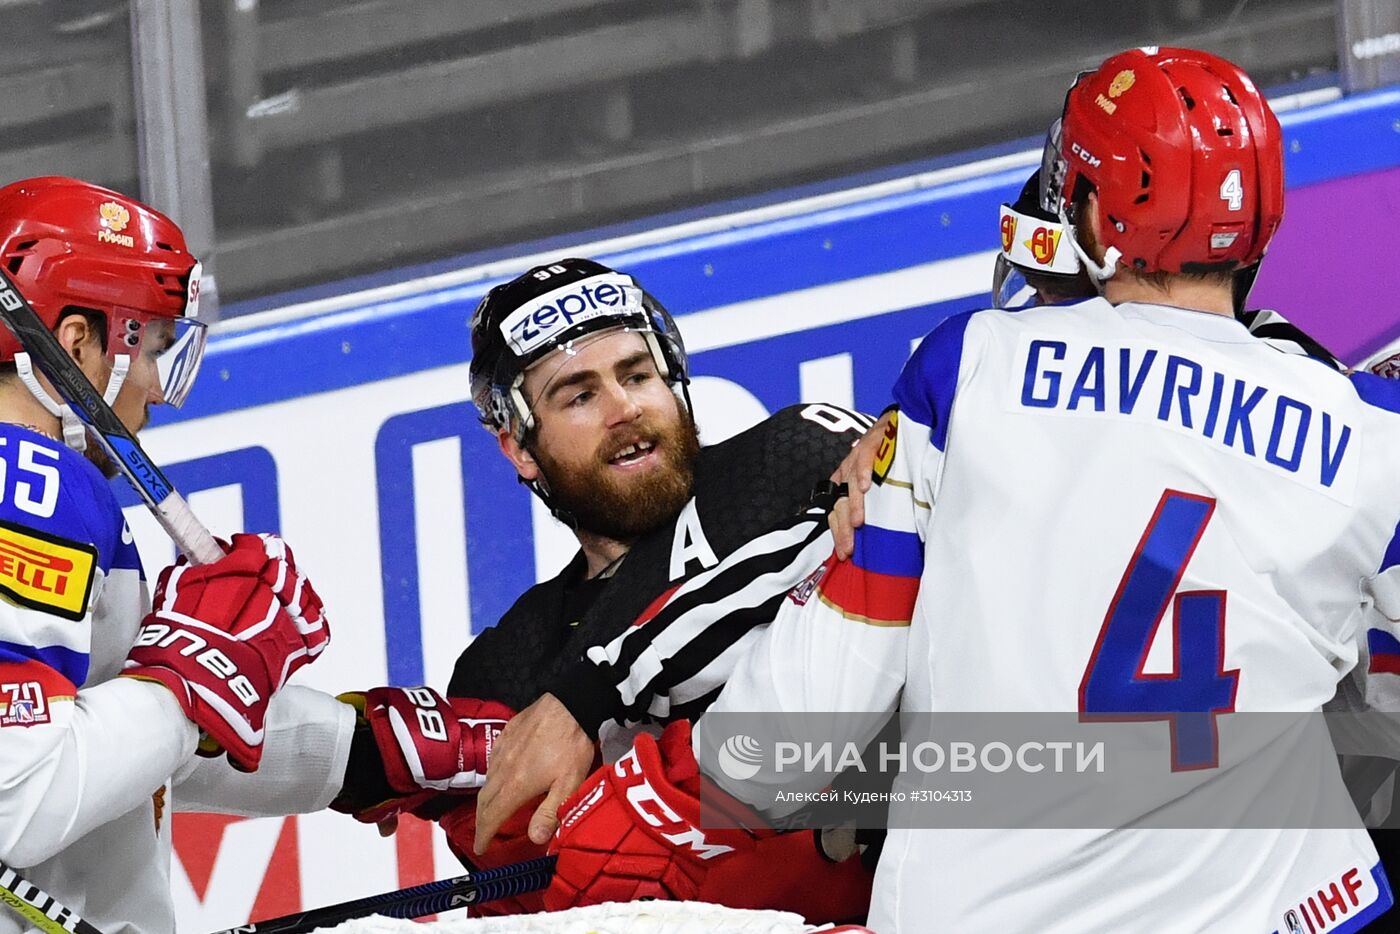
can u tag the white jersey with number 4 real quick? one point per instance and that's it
(1104, 509)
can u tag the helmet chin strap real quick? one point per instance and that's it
(1099, 272)
(540, 487)
(74, 430)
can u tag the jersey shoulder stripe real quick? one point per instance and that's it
(61, 532)
(925, 388)
(868, 596)
(888, 552)
(70, 663)
(1392, 552)
(125, 557)
(1377, 391)
(1384, 394)
(1384, 649)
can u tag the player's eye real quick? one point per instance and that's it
(580, 399)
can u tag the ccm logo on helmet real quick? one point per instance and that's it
(1087, 156)
(539, 321)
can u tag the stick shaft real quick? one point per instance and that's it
(419, 900)
(38, 907)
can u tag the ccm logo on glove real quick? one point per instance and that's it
(657, 813)
(212, 660)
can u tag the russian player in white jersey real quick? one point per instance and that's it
(1059, 482)
(92, 762)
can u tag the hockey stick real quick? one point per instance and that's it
(38, 907)
(168, 506)
(429, 898)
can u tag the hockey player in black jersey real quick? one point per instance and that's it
(583, 377)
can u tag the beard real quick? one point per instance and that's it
(625, 508)
(99, 459)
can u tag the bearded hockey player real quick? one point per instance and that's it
(582, 376)
(102, 699)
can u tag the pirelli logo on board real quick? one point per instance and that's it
(46, 572)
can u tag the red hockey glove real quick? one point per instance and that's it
(633, 829)
(264, 560)
(789, 872)
(224, 637)
(428, 743)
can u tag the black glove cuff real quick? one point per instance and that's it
(365, 784)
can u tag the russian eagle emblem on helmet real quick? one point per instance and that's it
(114, 216)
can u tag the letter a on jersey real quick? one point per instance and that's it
(690, 543)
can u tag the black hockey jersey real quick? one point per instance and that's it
(743, 486)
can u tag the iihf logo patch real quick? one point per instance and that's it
(803, 591)
(1389, 367)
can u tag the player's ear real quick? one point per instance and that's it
(1095, 218)
(520, 458)
(77, 335)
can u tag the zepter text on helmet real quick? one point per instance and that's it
(543, 319)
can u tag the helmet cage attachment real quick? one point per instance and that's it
(176, 345)
(1052, 164)
(1054, 170)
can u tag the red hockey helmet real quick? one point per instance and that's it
(70, 244)
(1186, 157)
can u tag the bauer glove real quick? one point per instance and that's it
(413, 744)
(225, 637)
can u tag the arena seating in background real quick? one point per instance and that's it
(65, 92)
(352, 135)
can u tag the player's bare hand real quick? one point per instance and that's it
(542, 751)
(856, 472)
